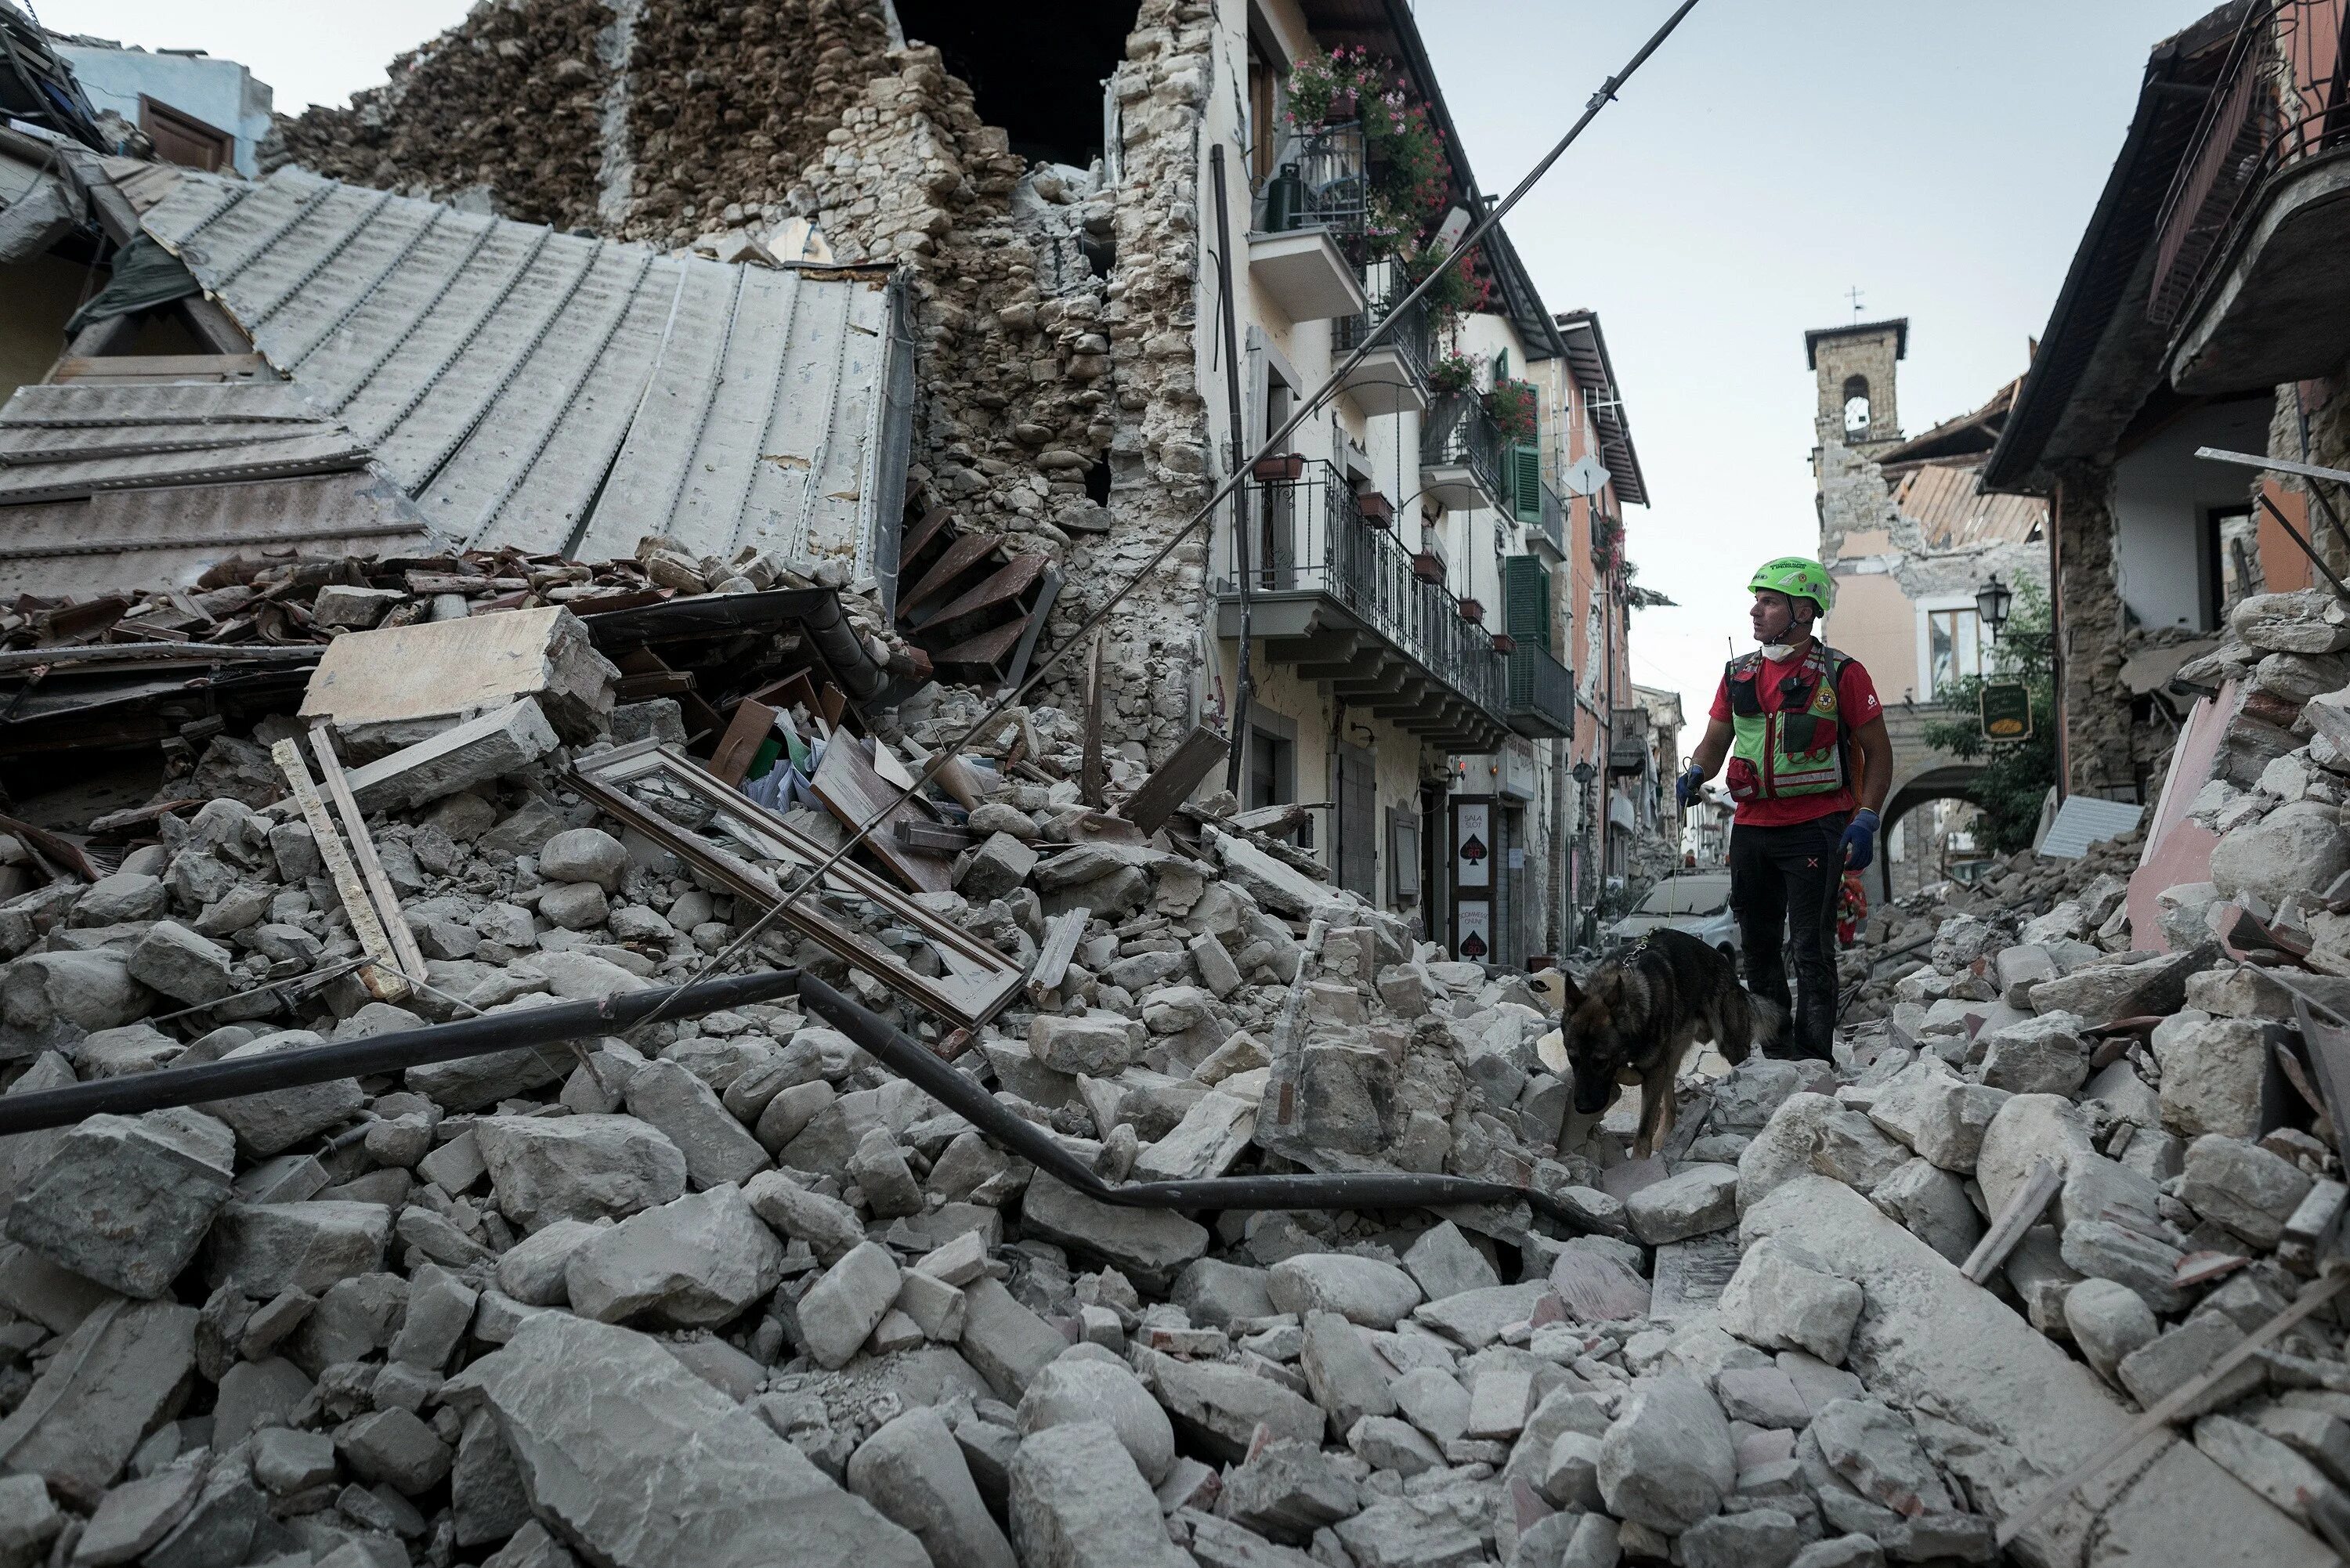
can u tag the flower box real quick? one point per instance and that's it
(1472, 612)
(1375, 509)
(1428, 566)
(1282, 468)
(1504, 644)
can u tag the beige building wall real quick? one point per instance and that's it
(1875, 623)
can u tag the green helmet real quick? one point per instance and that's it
(1798, 577)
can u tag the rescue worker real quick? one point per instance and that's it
(1804, 732)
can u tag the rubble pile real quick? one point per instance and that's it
(288, 599)
(2025, 888)
(2139, 1112)
(513, 1307)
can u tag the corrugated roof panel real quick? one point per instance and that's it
(136, 539)
(546, 504)
(441, 330)
(761, 349)
(334, 357)
(510, 377)
(290, 269)
(660, 449)
(501, 367)
(542, 392)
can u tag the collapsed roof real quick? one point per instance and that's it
(491, 382)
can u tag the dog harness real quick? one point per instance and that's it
(1798, 749)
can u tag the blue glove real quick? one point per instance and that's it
(1685, 788)
(1860, 840)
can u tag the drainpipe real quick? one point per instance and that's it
(1246, 684)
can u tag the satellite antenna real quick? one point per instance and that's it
(1586, 476)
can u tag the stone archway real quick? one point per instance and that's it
(1920, 774)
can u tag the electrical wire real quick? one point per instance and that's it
(1273, 442)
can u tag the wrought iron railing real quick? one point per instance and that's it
(1541, 689)
(1457, 431)
(1320, 178)
(1310, 534)
(2279, 99)
(1413, 336)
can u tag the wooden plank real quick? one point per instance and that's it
(918, 537)
(387, 899)
(958, 557)
(998, 590)
(1062, 933)
(381, 976)
(159, 368)
(845, 781)
(1039, 608)
(752, 722)
(1192, 760)
(1093, 773)
(2023, 1209)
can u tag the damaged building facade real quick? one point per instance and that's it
(1054, 214)
(1912, 539)
(2204, 309)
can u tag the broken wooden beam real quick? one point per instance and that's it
(381, 976)
(2023, 1209)
(1193, 759)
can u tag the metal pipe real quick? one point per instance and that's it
(2308, 549)
(479, 1036)
(963, 1095)
(1246, 685)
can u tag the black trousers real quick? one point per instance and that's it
(1785, 879)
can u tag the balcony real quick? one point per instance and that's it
(1307, 225)
(1461, 454)
(1628, 742)
(1393, 376)
(1551, 530)
(2248, 269)
(1542, 695)
(1333, 600)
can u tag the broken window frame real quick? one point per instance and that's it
(979, 981)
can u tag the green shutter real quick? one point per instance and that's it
(1526, 587)
(1525, 483)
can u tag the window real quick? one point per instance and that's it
(1855, 405)
(180, 138)
(1264, 111)
(1953, 648)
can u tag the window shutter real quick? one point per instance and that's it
(1525, 483)
(1526, 588)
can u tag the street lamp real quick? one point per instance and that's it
(1991, 600)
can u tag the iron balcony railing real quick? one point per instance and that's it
(1541, 694)
(2279, 100)
(1554, 519)
(1456, 431)
(1320, 178)
(1414, 337)
(1310, 535)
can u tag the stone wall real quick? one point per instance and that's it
(1874, 357)
(2098, 758)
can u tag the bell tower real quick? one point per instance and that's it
(1856, 369)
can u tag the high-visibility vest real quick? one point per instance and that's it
(1798, 749)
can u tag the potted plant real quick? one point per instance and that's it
(1406, 172)
(1281, 468)
(1453, 374)
(1375, 509)
(1428, 566)
(1504, 644)
(1512, 406)
(1472, 612)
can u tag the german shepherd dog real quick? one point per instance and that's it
(1637, 1018)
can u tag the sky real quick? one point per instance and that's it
(1771, 156)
